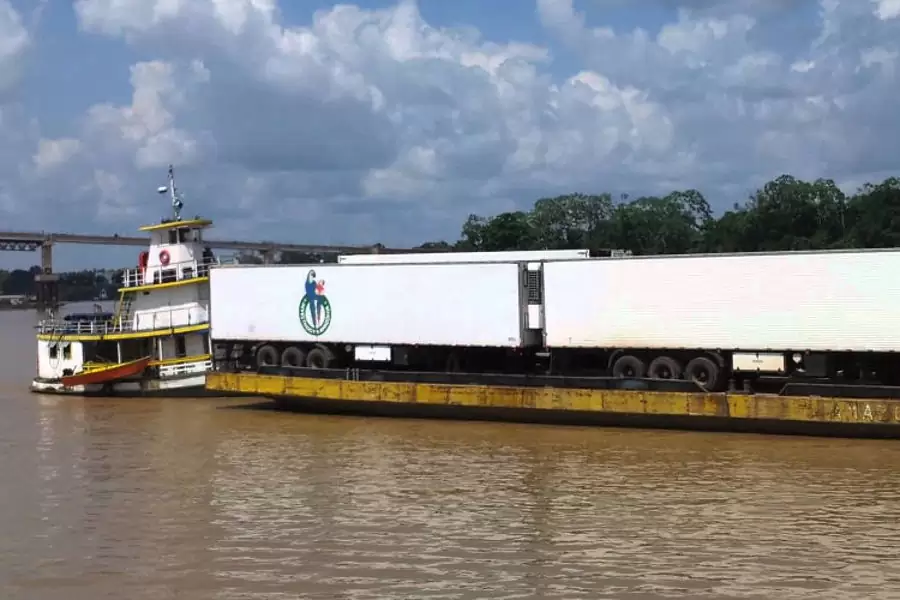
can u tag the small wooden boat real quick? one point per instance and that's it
(105, 372)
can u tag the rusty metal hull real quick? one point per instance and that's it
(808, 415)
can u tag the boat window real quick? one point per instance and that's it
(180, 348)
(54, 351)
(67, 352)
(186, 234)
(173, 236)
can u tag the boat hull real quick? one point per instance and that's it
(193, 385)
(107, 375)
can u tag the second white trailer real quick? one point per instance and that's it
(827, 316)
(821, 301)
(463, 257)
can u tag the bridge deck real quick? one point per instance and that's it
(30, 241)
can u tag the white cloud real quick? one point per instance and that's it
(887, 9)
(374, 124)
(15, 134)
(146, 126)
(53, 153)
(14, 40)
(364, 107)
(748, 108)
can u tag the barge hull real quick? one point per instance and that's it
(758, 413)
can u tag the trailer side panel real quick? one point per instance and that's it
(444, 305)
(832, 301)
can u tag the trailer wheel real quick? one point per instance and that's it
(319, 358)
(266, 356)
(664, 367)
(704, 371)
(629, 366)
(293, 357)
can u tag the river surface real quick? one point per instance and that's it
(219, 499)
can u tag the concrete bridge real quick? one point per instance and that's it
(47, 281)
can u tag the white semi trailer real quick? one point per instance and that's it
(828, 316)
(462, 257)
(427, 315)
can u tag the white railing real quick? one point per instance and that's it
(84, 327)
(165, 319)
(172, 272)
(186, 368)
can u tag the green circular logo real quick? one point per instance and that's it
(315, 324)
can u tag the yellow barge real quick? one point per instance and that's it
(387, 394)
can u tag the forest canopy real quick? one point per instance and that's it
(785, 214)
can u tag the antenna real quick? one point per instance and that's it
(177, 204)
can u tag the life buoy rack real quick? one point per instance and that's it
(164, 257)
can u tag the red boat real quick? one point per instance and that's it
(105, 372)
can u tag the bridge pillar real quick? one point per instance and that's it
(46, 283)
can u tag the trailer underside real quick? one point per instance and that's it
(859, 375)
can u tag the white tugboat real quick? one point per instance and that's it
(157, 339)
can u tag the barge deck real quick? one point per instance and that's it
(581, 401)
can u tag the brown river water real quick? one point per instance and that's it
(221, 499)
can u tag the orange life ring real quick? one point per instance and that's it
(164, 257)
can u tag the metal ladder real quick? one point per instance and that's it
(123, 314)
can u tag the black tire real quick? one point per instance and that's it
(629, 366)
(664, 367)
(293, 357)
(266, 356)
(319, 358)
(704, 371)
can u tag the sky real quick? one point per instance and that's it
(308, 122)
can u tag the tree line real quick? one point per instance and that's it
(785, 214)
(75, 286)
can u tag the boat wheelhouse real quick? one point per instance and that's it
(156, 341)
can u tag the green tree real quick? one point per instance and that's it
(675, 223)
(784, 214)
(873, 215)
(571, 221)
(506, 231)
(20, 282)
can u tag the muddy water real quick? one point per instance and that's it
(209, 499)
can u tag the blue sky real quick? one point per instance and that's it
(391, 121)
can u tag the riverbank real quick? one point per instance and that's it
(5, 306)
(22, 306)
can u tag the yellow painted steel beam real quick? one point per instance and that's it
(834, 411)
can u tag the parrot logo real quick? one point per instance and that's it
(315, 309)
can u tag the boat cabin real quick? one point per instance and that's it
(176, 253)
